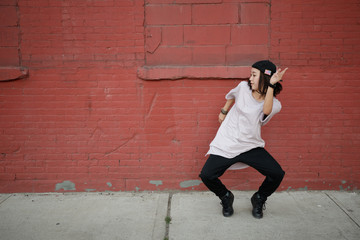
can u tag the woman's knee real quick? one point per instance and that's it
(207, 176)
(204, 177)
(279, 175)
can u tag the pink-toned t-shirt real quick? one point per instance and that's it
(241, 129)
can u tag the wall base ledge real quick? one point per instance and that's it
(193, 72)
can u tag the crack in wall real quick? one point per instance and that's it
(121, 145)
(152, 103)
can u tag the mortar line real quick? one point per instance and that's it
(344, 210)
(168, 216)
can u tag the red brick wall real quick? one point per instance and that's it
(9, 38)
(206, 32)
(83, 120)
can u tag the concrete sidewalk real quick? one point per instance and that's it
(194, 215)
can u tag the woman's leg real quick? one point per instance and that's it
(215, 167)
(263, 162)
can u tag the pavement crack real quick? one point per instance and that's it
(5, 199)
(343, 209)
(168, 217)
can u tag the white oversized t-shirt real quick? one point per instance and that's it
(241, 129)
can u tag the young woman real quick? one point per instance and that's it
(238, 142)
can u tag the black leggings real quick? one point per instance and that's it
(257, 158)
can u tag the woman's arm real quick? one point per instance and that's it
(269, 97)
(268, 103)
(226, 108)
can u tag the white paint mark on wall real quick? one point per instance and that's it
(66, 185)
(156, 182)
(190, 183)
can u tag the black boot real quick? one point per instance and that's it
(258, 203)
(227, 202)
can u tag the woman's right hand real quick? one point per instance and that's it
(221, 117)
(225, 109)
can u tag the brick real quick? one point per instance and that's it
(336, 42)
(172, 36)
(215, 14)
(9, 56)
(246, 55)
(167, 14)
(169, 56)
(37, 3)
(8, 3)
(310, 42)
(9, 37)
(197, 1)
(254, 13)
(208, 55)
(159, 1)
(7, 176)
(249, 34)
(8, 16)
(207, 35)
(126, 3)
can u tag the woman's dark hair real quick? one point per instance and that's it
(264, 81)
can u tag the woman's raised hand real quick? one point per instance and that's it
(277, 76)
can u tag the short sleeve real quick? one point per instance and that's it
(276, 108)
(234, 92)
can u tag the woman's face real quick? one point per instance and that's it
(254, 79)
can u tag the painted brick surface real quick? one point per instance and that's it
(9, 37)
(187, 25)
(174, 14)
(315, 43)
(204, 14)
(84, 121)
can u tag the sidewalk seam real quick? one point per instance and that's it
(5, 199)
(344, 210)
(168, 216)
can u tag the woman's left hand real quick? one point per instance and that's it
(277, 76)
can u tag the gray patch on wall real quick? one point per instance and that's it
(190, 183)
(90, 190)
(156, 182)
(66, 185)
(109, 184)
